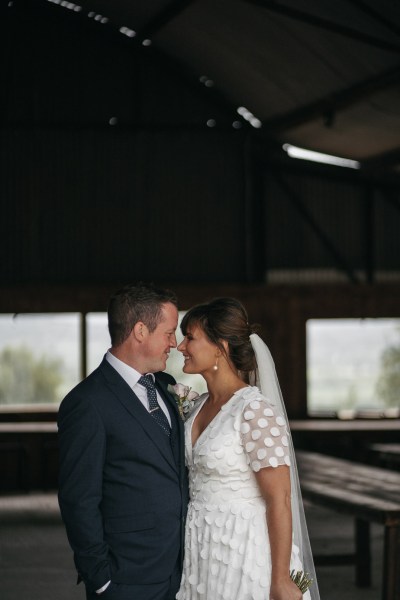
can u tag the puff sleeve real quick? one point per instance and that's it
(264, 434)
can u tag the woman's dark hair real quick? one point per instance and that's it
(133, 303)
(225, 319)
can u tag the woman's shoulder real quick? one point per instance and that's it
(250, 393)
(251, 398)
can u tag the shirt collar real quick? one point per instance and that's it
(127, 372)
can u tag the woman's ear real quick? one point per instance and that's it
(225, 344)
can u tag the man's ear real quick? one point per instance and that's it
(139, 331)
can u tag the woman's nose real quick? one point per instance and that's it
(181, 346)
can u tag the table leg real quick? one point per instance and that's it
(363, 553)
(391, 563)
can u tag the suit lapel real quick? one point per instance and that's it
(167, 396)
(132, 404)
(178, 431)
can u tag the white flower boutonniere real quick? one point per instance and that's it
(184, 396)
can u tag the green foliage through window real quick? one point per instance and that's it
(388, 385)
(25, 379)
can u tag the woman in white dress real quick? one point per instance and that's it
(245, 529)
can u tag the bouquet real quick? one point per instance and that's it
(301, 579)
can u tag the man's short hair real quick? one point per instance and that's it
(134, 303)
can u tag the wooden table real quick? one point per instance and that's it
(29, 456)
(387, 455)
(369, 494)
(27, 427)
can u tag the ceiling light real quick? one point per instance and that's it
(303, 154)
(128, 32)
(248, 116)
(206, 81)
(65, 4)
(254, 122)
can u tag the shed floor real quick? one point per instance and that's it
(36, 561)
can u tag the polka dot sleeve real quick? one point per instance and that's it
(264, 435)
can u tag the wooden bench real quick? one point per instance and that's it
(386, 455)
(369, 494)
(28, 456)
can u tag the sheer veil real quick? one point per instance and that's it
(266, 380)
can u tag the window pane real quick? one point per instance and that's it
(353, 365)
(99, 341)
(39, 357)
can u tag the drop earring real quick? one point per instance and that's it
(215, 367)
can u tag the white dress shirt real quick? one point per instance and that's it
(132, 377)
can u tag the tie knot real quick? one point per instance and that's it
(147, 381)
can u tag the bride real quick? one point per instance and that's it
(245, 530)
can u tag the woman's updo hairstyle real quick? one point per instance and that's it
(225, 319)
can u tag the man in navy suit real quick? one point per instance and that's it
(122, 480)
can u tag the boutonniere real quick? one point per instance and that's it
(184, 396)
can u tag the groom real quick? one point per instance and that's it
(122, 479)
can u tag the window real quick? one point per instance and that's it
(39, 357)
(353, 366)
(98, 339)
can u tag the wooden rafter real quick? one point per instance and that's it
(326, 24)
(334, 102)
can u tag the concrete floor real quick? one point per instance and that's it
(36, 561)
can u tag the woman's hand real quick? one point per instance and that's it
(285, 590)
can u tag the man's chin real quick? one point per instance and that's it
(162, 365)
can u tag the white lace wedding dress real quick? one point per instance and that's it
(227, 550)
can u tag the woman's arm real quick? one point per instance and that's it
(274, 484)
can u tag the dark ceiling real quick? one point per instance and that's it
(319, 74)
(203, 95)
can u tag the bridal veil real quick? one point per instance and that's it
(266, 380)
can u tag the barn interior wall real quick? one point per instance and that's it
(109, 173)
(281, 312)
(30, 456)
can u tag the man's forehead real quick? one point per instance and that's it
(169, 311)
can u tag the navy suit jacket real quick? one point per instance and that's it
(122, 482)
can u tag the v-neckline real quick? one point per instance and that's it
(196, 413)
